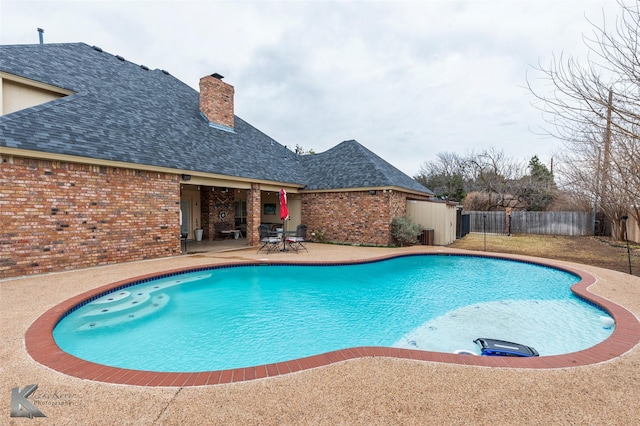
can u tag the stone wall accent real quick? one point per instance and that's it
(60, 215)
(356, 217)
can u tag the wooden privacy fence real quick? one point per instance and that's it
(522, 222)
(489, 222)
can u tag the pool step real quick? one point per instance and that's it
(131, 313)
(117, 306)
(126, 305)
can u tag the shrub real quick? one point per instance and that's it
(404, 231)
(319, 236)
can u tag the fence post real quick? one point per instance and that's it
(484, 230)
(626, 237)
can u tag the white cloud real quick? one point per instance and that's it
(407, 79)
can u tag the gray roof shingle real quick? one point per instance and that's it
(123, 112)
(351, 165)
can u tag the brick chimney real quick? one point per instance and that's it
(216, 100)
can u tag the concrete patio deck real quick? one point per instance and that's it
(366, 390)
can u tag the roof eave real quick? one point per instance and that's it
(196, 177)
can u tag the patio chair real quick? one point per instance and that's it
(269, 240)
(183, 242)
(295, 242)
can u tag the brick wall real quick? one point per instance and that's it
(214, 202)
(216, 100)
(353, 217)
(58, 216)
(253, 214)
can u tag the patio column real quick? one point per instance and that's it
(253, 214)
(206, 213)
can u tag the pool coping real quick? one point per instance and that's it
(42, 348)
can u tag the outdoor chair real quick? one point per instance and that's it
(183, 242)
(295, 242)
(269, 240)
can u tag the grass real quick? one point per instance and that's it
(597, 251)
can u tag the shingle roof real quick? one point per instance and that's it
(124, 112)
(351, 165)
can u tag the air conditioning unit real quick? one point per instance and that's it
(426, 237)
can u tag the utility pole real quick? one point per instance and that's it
(596, 191)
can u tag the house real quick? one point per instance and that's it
(102, 159)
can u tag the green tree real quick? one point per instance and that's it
(539, 189)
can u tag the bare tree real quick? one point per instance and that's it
(625, 173)
(594, 107)
(488, 180)
(444, 176)
(498, 177)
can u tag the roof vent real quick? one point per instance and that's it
(166, 72)
(144, 67)
(98, 49)
(40, 35)
(120, 58)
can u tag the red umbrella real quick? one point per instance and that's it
(284, 215)
(284, 211)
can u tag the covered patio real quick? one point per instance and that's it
(216, 212)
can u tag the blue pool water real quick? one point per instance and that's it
(252, 315)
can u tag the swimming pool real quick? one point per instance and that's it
(224, 318)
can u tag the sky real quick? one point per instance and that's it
(406, 79)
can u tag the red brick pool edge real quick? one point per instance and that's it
(43, 349)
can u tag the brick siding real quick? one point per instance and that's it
(60, 215)
(353, 217)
